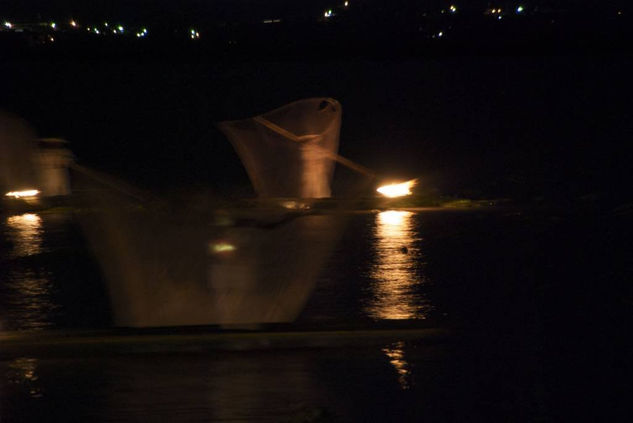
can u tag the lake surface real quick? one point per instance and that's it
(539, 303)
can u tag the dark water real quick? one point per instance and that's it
(540, 304)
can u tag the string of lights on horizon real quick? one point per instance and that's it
(106, 28)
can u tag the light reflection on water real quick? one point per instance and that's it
(23, 373)
(395, 271)
(25, 231)
(27, 290)
(395, 353)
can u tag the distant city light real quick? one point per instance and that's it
(8, 24)
(346, 4)
(73, 23)
(120, 28)
(520, 9)
(453, 8)
(105, 24)
(51, 38)
(96, 31)
(328, 13)
(53, 25)
(193, 34)
(499, 17)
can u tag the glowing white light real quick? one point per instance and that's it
(120, 28)
(520, 9)
(105, 24)
(397, 190)
(73, 23)
(440, 34)
(51, 38)
(114, 31)
(346, 4)
(96, 31)
(53, 25)
(23, 194)
(453, 8)
(328, 13)
(499, 17)
(8, 24)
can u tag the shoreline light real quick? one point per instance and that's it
(22, 194)
(397, 190)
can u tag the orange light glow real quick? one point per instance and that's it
(397, 190)
(22, 194)
(393, 275)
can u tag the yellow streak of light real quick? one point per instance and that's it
(222, 247)
(397, 190)
(22, 194)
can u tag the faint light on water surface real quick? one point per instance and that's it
(23, 372)
(394, 274)
(397, 190)
(395, 353)
(27, 293)
(25, 229)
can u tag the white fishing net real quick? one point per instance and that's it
(17, 155)
(290, 151)
(230, 266)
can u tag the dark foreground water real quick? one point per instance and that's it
(539, 305)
